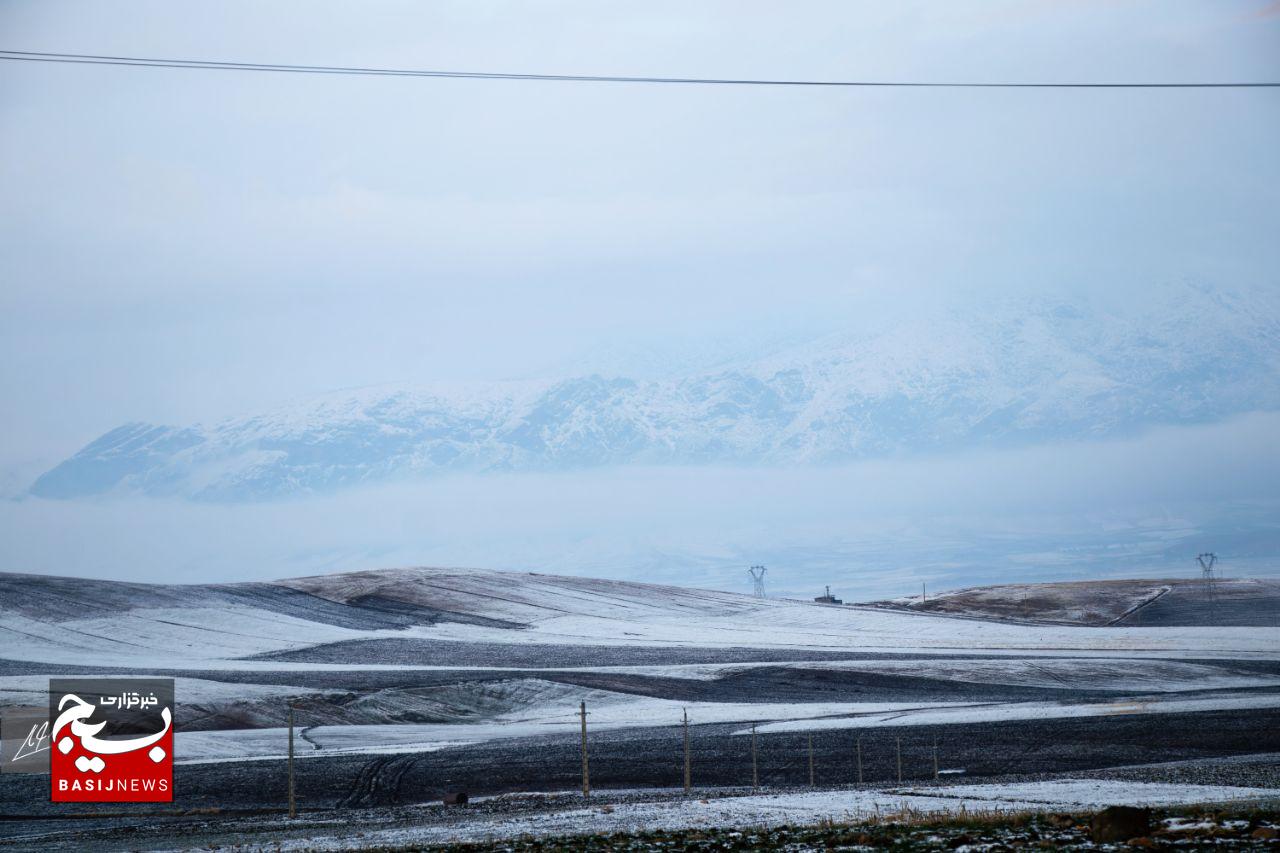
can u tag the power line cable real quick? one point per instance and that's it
(216, 65)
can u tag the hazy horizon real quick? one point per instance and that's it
(186, 247)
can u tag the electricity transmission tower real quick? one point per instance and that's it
(1207, 561)
(757, 575)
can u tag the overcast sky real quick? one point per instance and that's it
(180, 245)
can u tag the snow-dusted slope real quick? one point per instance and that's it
(415, 661)
(1167, 602)
(521, 598)
(81, 622)
(1016, 372)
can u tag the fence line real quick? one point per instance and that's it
(811, 755)
(789, 766)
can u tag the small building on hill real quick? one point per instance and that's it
(828, 598)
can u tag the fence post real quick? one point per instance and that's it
(899, 761)
(755, 764)
(859, 760)
(687, 779)
(586, 773)
(810, 759)
(293, 806)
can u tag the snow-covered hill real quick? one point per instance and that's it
(426, 664)
(1014, 373)
(400, 616)
(1163, 602)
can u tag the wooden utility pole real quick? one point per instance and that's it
(859, 761)
(586, 770)
(899, 761)
(924, 593)
(810, 759)
(935, 756)
(293, 805)
(688, 782)
(755, 764)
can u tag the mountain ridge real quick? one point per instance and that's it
(1025, 372)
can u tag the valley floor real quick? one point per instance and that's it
(409, 684)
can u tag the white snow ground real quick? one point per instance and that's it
(1005, 712)
(795, 809)
(556, 716)
(617, 711)
(206, 634)
(199, 632)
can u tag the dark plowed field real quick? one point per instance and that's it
(646, 758)
(419, 652)
(1247, 603)
(1173, 602)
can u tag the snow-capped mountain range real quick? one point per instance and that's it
(1019, 372)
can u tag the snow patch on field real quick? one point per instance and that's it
(34, 690)
(608, 711)
(991, 713)
(801, 808)
(1073, 673)
(554, 711)
(1099, 793)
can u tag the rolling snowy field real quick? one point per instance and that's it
(409, 682)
